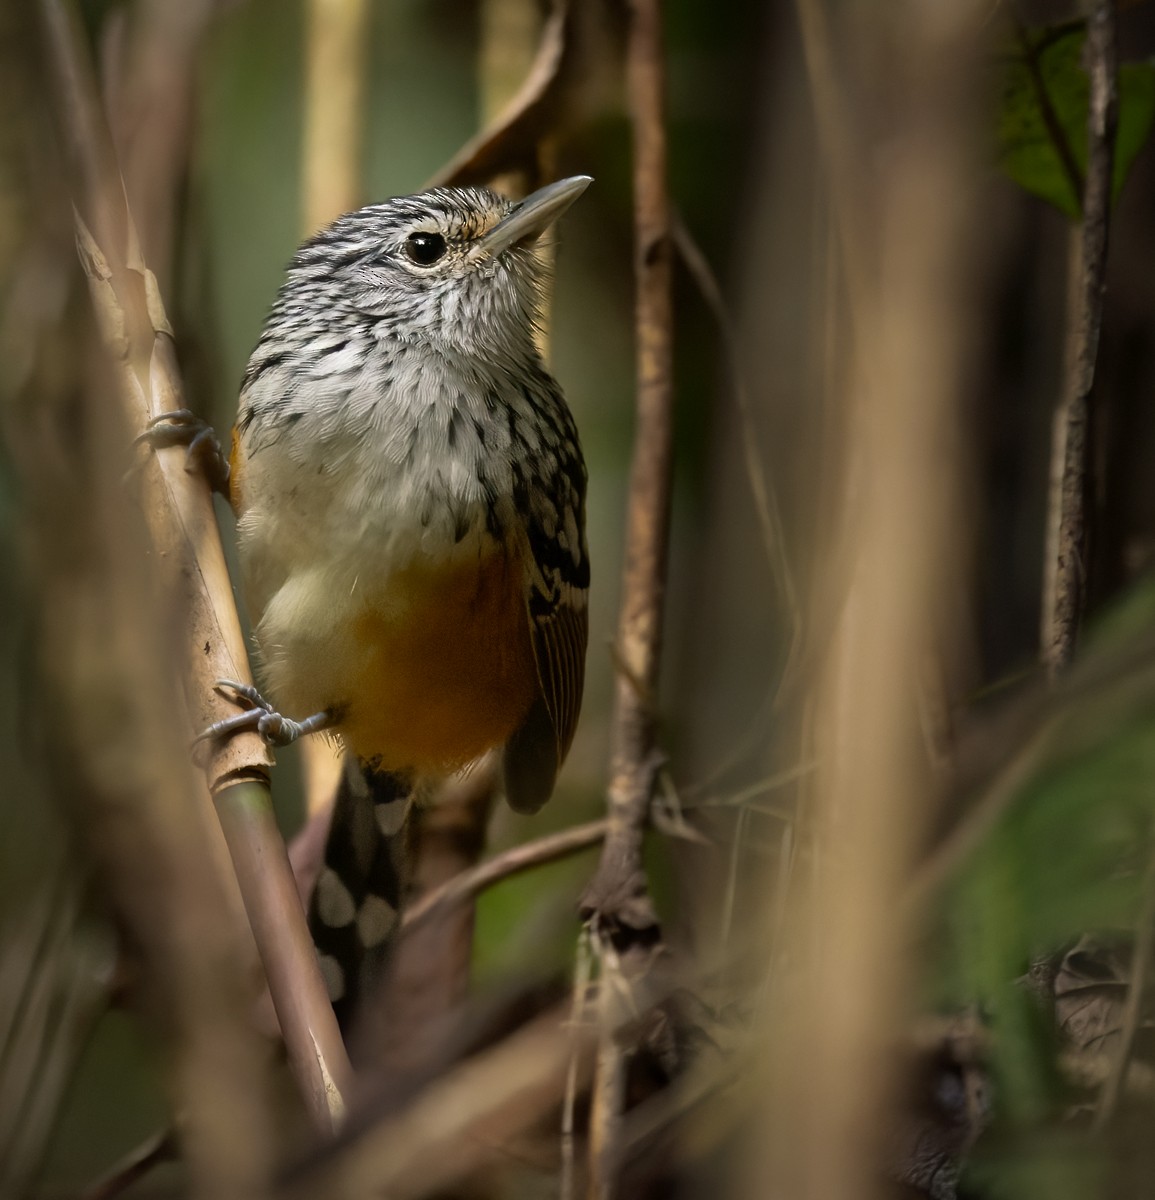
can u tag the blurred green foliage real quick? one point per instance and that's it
(1067, 856)
(1047, 72)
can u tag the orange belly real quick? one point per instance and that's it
(442, 667)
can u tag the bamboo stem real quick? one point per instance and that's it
(179, 510)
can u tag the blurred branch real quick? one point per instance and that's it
(905, 81)
(470, 884)
(151, 56)
(160, 1148)
(456, 1125)
(617, 899)
(178, 506)
(981, 817)
(1000, 755)
(54, 986)
(617, 902)
(765, 499)
(1065, 564)
(839, 158)
(336, 47)
(532, 114)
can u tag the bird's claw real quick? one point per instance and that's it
(259, 715)
(182, 427)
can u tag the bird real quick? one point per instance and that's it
(409, 488)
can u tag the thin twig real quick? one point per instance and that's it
(457, 1124)
(179, 510)
(579, 1004)
(994, 801)
(160, 1148)
(470, 884)
(765, 498)
(1065, 567)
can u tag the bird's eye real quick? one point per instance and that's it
(425, 248)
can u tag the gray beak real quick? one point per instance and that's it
(534, 215)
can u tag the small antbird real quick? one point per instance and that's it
(410, 494)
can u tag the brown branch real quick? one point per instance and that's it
(617, 898)
(178, 507)
(470, 884)
(151, 57)
(531, 114)
(1064, 590)
(457, 1124)
(337, 45)
(617, 901)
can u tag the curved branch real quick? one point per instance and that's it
(470, 884)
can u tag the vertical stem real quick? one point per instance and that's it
(1064, 584)
(617, 898)
(189, 559)
(618, 891)
(896, 551)
(337, 39)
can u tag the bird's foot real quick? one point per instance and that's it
(203, 452)
(261, 716)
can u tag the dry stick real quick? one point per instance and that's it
(618, 895)
(178, 506)
(150, 93)
(983, 815)
(617, 900)
(456, 1125)
(1066, 552)
(765, 498)
(579, 1001)
(470, 884)
(532, 113)
(158, 1149)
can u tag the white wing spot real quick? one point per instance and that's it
(375, 921)
(335, 904)
(390, 817)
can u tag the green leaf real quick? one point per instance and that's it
(1027, 145)
(1136, 116)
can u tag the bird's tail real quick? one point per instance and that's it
(356, 905)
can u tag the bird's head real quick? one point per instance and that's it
(458, 268)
